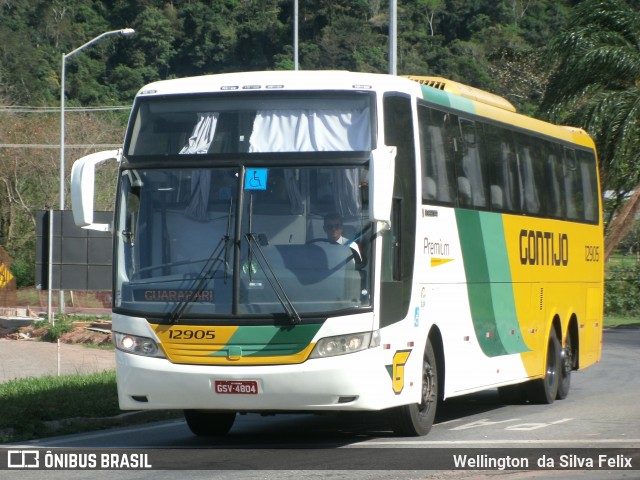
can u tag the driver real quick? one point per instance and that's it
(333, 226)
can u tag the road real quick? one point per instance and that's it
(601, 412)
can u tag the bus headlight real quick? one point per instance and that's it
(343, 344)
(137, 345)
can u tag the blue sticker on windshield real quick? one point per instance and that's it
(256, 179)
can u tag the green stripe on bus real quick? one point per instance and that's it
(489, 287)
(270, 340)
(447, 100)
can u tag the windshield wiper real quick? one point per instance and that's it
(272, 278)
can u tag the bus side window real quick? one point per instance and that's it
(469, 167)
(499, 156)
(589, 180)
(437, 166)
(572, 186)
(553, 178)
(529, 170)
(427, 152)
(438, 159)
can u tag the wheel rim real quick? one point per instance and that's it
(428, 390)
(566, 358)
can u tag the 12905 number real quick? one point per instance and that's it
(179, 334)
(591, 253)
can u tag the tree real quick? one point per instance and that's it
(596, 84)
(431, 8)
(208, 38)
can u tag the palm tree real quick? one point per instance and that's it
(595, 83)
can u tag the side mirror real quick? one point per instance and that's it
(83, 187)
(381, 177)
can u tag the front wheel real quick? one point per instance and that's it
(206, 423)
(417, 419)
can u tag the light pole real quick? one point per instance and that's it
(124, 31)
(393, 33)
(295, 35)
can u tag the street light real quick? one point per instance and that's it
(124, 31)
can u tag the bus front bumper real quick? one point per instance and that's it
(358, 381)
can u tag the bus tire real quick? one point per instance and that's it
(417, 419)
(566, 365)
(205, 423)
(545, 390)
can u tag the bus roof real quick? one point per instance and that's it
(437, 90)
(464, 91)
(301, 80)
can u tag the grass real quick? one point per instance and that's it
(40, 407)
(28, 404)
(620, 321)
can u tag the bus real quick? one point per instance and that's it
(329, 241)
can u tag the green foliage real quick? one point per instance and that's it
(622, 289)
(54, 331)
(30, 177)
(179, 38)
(23, 271)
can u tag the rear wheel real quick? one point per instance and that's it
(417, 419)
(545, 389)
(205, 423)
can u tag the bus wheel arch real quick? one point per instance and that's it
(545, 389)
(435, 337)
(209, 423)
(417, 419)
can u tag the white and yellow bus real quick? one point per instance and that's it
(332, 241)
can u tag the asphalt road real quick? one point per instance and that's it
(601, 413)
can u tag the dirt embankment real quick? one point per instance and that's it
(97, 333)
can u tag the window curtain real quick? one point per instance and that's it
(202, 136)
(310, 131)
(199, 142)
(554, 186)
(316, 131)
(531, 199)
(440, 164)
(508, 182)
(295, 196)
(472, 169)
(346, 183)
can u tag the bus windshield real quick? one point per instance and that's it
(237, 241)
(229, 123)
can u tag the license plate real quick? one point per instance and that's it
(236, 387)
